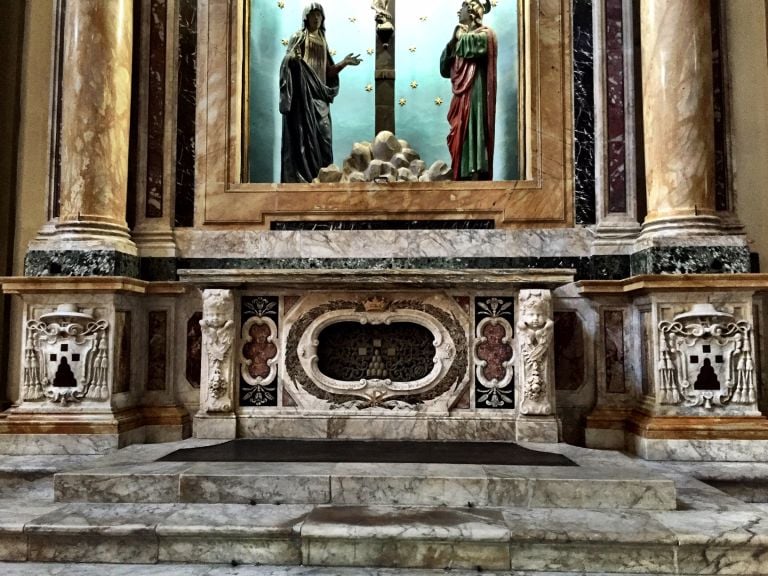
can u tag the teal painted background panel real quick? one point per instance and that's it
(423, 29)
(350, 27)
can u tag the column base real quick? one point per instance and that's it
(29, 432)
(605, 429)
(616, 233)
(80, 262)
(215, 426)
(722, 254)
(676, 226)
(720, 439)
(155, 243)
(540, 429)
(82, 248)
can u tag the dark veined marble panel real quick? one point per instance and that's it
(594, 267)
(584, 111)
(327, 225)
(691, 260)
(569, 351)
(616, 111)
(185, 112)
(80, 263)
(719, 100)
(156, 108)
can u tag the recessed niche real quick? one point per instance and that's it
(401, 351)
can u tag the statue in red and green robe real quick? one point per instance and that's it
(469, 60)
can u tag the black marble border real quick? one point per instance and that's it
(329, 225)
(602, 267)
(672, 260)
(584, 112)
(691, 260)
(81, 263)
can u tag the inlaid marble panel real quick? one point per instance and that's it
(259, 339)
(156, 108)
(123, 336)
(493, 352)
(569, 351)
(616, 112)
(186, 101)
(613, 334)
(194, 349)
(157, 350)
(646, 352)
(584, 111)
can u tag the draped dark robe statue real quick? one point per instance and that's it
(305, 103)
(470, 63)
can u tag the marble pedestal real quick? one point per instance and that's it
(214, 426)
(544, 429)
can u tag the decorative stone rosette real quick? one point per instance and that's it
(535, 341)
(218, 330)
(66, 357)
(706, 360)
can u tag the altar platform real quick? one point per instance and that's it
(612, 513)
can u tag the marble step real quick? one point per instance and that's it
(600, 486)
(488, 539)
(47, 569)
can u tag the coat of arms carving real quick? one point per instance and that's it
(66, 357)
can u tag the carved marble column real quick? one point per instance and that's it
(537, 420)
(96, 107)
(678, 117)
(216, 417)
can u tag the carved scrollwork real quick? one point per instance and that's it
(66, 357)
(447, 368)
(705, 360)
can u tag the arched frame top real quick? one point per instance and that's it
(544, 198)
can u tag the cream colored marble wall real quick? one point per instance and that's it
(747, 53)
(32, 187)
(32, 183)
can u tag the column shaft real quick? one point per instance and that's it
(96, 97)
(678, 110)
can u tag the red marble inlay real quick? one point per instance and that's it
(494, 352)
(259, 350)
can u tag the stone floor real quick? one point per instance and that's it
(612, 515)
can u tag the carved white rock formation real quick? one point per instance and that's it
(386, 159)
